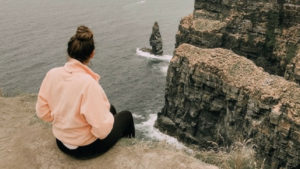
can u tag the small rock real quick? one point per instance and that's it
(148, 50)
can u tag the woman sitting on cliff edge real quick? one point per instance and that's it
(84, 123)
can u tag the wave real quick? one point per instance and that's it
(153, 133)
(137, 116)
(164, 69)
(141, 2)
(151, 56)
(134, 4)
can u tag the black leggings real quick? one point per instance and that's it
(123, 127)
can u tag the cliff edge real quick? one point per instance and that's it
(26, 142)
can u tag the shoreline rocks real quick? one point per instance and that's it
(148, 50)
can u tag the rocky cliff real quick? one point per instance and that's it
(218, 90)
(215, 97)
(293, 69)
(267, 32)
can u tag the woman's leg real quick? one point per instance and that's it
(123, 127)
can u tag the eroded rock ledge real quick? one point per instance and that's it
(215, 97)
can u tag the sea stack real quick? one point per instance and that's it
(156, 40)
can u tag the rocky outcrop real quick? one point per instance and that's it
(215, 97)
(267, 32)
(156, 40)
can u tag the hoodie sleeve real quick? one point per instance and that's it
(95, 108)
(42, 107)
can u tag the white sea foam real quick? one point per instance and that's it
(137, 116)
(141, 2)
(166, 58)
(164, 69)
(153, 133)
(135, 4)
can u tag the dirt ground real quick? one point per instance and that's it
(27, 142)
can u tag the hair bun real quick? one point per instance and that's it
(83, 33)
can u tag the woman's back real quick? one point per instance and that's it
(69, 90)
(83, 121)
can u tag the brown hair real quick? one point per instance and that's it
(81, 45)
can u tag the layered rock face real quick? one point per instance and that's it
(215, 97)
(267, 32)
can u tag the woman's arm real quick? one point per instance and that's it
(42, 108)
(96, 109)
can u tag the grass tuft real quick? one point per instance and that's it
(240, 155)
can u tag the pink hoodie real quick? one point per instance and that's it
(71, 98)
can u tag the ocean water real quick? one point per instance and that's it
(34, 36)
